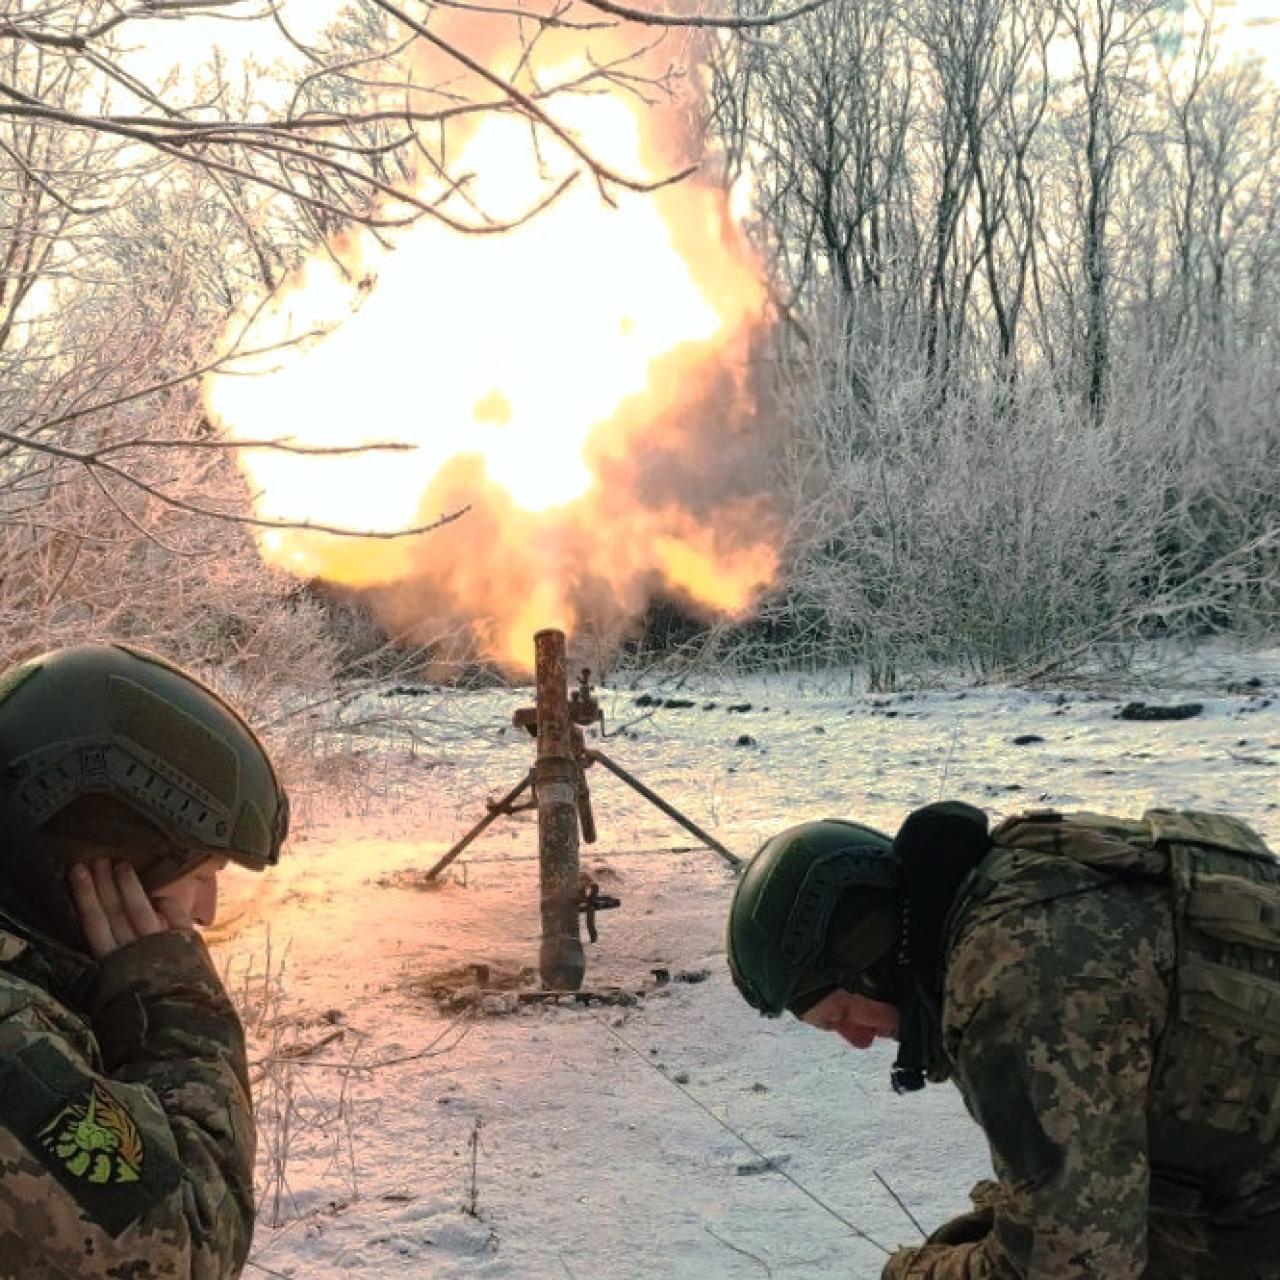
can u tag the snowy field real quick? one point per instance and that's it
(680, 1136)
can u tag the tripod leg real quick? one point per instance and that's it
(670, 810)
(496, 810)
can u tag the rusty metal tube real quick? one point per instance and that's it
(555, 782)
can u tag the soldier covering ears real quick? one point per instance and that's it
(126, 1131)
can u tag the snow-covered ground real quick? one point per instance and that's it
(681, 1136)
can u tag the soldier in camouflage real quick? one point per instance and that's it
(1106, 995)
(126, 1129)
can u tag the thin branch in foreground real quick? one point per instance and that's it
(535, 113)
(728, 22)
(217, 365)
(130, 519)
(897, 1199)
(95, 463)
(305, 526)
(553, 21)
(746, 1253)
(772, 1165)
(281, 444)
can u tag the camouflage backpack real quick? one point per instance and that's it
(1219, 1066)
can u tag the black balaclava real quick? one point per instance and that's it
(35, 907)
(33, 864)
(937, 847)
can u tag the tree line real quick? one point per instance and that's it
(1027, 262)
(1021, 381)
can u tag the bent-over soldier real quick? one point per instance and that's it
(1104, 992)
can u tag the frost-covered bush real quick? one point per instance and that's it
(1000, 524)
(1212, 418)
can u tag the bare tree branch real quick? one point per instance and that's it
(725, 22)
(283, 444)
(95, 463)
(603, 173)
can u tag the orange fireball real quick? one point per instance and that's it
(577, 381)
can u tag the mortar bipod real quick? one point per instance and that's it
(583, 711)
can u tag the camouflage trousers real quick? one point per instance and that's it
(1240, 1242)
(1232, 1245)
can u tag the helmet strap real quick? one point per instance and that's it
(918, 1018)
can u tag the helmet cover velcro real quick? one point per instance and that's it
(108, 719)
(804, 937)
(190, 749)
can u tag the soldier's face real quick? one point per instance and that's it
(858, 1020)
(195, 894)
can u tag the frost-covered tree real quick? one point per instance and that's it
(1026, 255)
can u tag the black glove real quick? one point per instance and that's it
(965, 1228)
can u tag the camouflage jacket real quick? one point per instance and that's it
(126, 1133)
(1122, 1060)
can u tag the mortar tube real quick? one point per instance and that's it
(556, 775)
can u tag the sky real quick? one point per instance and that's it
(1252, 26)
(1247, 26)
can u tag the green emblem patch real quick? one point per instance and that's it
(96, 1140)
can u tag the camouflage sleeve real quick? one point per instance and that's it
(1053, 1012)
(146, 1166)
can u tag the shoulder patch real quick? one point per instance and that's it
(110, 1158)
(95, 1139)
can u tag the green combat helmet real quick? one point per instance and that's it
(782, 909)
(115, 727)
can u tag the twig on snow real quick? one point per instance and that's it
(946, 769)
(897, 1199)
(774, 1165)
(431, 1051)
(269, 1271)
(472, 1207)
(746, 1253)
